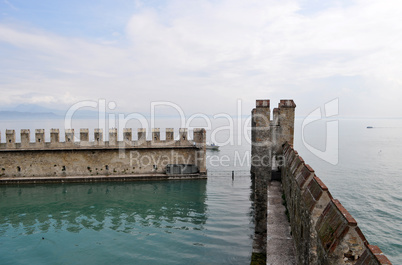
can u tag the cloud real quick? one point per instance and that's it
(10, 5)
(199, 52)
(270, 38)
(267, 46)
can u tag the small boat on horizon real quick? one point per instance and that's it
(369, 127)
(213, 147)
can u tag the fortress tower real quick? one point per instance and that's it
(268, 136)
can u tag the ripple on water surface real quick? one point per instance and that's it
(169, 222)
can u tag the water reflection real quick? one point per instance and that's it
(122, 207)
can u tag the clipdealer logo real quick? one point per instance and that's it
(330, 111)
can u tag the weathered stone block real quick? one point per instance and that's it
(25, 138)
(54, 136)
(127, 135)
(373, 256)
(142, 136)
(69, 136)
(156, 135)
(169, 135)
(304, 176)
(98, 136)
(10, 138)
(113, 137)
(183, 134)
(84, 135)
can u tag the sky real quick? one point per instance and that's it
(204, 56)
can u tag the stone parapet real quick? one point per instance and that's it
(323, 230)
(85, 157)
(373, 256)
(72, 142)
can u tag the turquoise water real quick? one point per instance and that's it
(164, 222)
(367, 181)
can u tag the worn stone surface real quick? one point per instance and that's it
(97, 158)
(280, 245)
(323, 230)
(284, 118)
(261, 142)
(373, 256)
(267, 139)
(260, 214)
(268, 136)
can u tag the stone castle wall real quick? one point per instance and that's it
(324, 232)
(84, 158)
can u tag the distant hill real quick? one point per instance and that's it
(32, 111)
(33, 108)
(14, 115)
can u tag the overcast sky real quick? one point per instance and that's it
(203, 55)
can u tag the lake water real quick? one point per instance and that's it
(368, 177)
(197, 221)
(161, 222)
(151, 222)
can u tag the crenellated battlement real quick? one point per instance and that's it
(324, 232)
(268, 135)
(83, 142)
(81, 159)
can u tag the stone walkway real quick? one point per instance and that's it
(280, 245)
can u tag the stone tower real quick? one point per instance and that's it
(268, 136)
